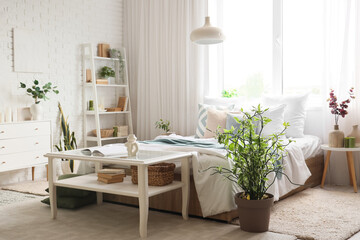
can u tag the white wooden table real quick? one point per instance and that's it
(126, 188)
(350, 162)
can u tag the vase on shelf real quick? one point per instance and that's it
(336, 137)
(36, 112)
(356, 134)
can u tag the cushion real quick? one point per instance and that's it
(70, 192)
(294, 113)
(215, 118)
(73, 202)
(231, 122)
(202, 117)
(236, 102)
(276, 114)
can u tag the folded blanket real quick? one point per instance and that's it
(185, 142)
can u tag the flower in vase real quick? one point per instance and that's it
(339, 109)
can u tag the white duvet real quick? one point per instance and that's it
(216, 194)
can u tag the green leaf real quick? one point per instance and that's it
(36, 82)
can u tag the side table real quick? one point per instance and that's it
(350, 162)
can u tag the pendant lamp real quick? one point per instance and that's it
(207, 34)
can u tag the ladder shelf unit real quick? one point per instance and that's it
(104, 94)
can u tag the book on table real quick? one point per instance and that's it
(107, 150)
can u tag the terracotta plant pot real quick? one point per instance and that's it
(254, 215)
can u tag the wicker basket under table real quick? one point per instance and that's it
(158, 174)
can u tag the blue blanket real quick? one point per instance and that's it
(184, 142)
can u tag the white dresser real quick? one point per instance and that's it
(23, 145)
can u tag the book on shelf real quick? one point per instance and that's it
(111, 173)
(111, 176)
(88, 75)
(122, 103)
(106, 150)
(104, 180)
(103, 50)
(102, 81)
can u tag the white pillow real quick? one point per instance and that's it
(202, 117)
(236, 102)
(276, 114)
(294, 113)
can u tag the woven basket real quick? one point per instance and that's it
(104, 132)
(158, 174)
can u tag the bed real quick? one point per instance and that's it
(211, 196)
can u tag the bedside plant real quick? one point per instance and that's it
(69, 140)
(252, 158)
(38, 93)
(164, 125)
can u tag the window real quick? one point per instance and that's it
(303, 46)
(255, 31)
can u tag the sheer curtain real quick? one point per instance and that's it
(166, 70)
(341, 72)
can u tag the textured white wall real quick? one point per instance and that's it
(66, 24)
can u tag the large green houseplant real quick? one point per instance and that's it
(253, 157)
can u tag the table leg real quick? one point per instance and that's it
(349, 168)
(99, 195)
(32, 173)
(143, 199)
(185, 179)
(327, 160)
(352, 169)
(52, 188)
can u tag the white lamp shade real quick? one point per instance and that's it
(207, 34)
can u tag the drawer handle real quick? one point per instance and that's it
(2, 131)
(2, 147)
(37, 143)
(36, 129)
(37, 157)
(3, 162)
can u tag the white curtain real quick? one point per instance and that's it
(341, 72)
(166, 70)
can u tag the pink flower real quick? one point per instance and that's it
(336, 109)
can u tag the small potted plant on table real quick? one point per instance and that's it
(252, 159)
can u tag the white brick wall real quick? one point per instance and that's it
(66, 24)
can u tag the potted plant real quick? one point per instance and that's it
(38, 93)
(164, 125)
(252, 159)
(69, 141)
(336, 137)
(107, 72)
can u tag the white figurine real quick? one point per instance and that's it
(132, 145)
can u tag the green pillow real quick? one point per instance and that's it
(73, 202)
(70, 192)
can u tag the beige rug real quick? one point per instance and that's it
(33, 187)
(318, 214)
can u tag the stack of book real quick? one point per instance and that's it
(111, 175)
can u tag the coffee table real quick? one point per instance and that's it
(350, 162)
(142, 191)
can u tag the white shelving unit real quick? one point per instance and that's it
(111, 92)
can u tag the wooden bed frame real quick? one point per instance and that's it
(169, 201)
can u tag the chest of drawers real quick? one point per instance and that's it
(23, 145)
